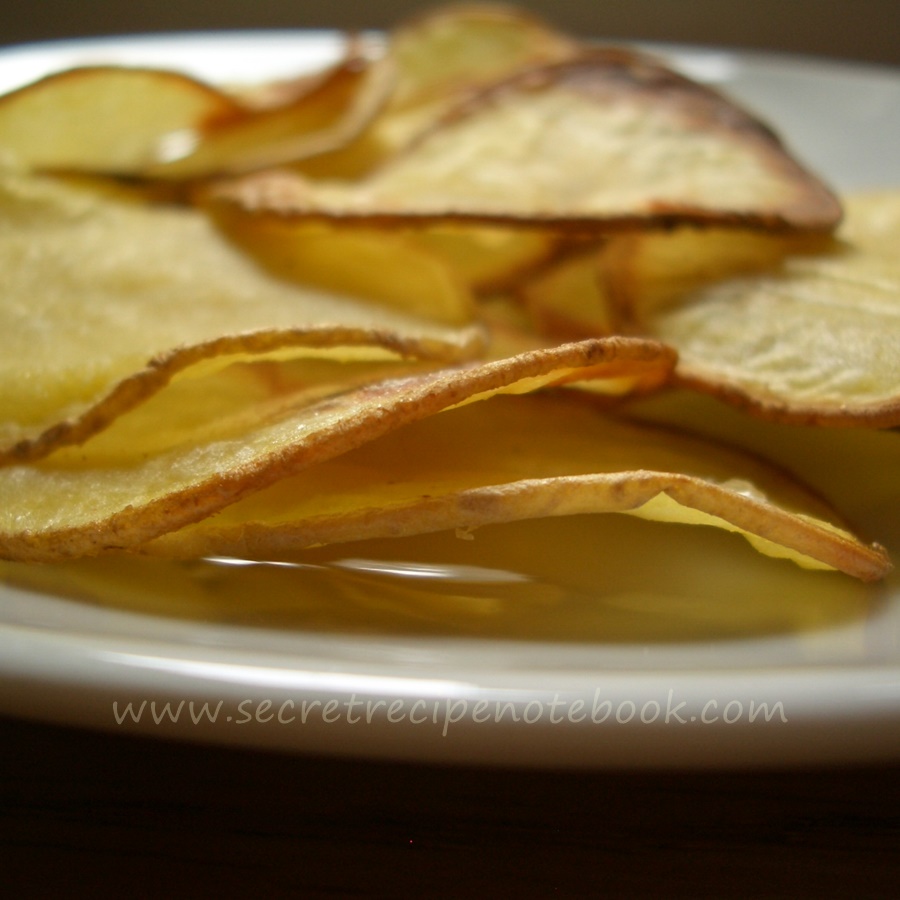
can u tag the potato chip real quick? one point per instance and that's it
(279, 390)
(72, 504)
(441, 57)
(392, 268)
(453, 49)
(856, 470)
(159, 124)
(568, 299)
(103, 301)
(327, 116)
(232, 400)
(604, 141)
(438, 474)
(105, 118)
(643, 274)
(490, 259)
(815, 339)
(434, 273)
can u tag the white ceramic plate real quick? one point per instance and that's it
(829, 693)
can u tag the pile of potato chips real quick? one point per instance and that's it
(416, 292)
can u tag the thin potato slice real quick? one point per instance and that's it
(72, 504)
(105, 118)
(568, 300)
(618, 285)
(856, 470)
(643, 274)
(440, 58)
(454, 49)
(391, 268)
(604, 141)
(438, 474)
(815, 340)
(159, 124)
(232, 401)
(103, 301)
(326, 117)
(434, 272)
(490, 259)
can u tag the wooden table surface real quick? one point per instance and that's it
(91, 814)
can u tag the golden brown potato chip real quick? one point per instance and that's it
(441, 57)
(72, 504)
(603, 141)
(159, 124)
(440, 474)
(856, 470)
(325, 117)
(103, 301)
(815, 339)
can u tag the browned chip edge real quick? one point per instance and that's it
(136, 388)
(440, 390)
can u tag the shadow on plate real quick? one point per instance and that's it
(589, 579)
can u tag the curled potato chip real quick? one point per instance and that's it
(160, 124)
(437, 474)
(325, 117)
(72, 504)
(857, 470)
(104, 301)
(440, 57)
(814, 339)
(453, 49)
(603, 141)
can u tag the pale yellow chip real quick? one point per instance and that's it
(642, 274)
(103, 301)
(816, 339)
(73, 504)
(397, 269)
(568, 299)
(603, 141)
(856, 470)
(546, 456)
(428, 271)
(490, 259)
(105, 118)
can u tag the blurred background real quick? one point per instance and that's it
(849, 29)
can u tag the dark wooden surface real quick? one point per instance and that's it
(86, 814)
